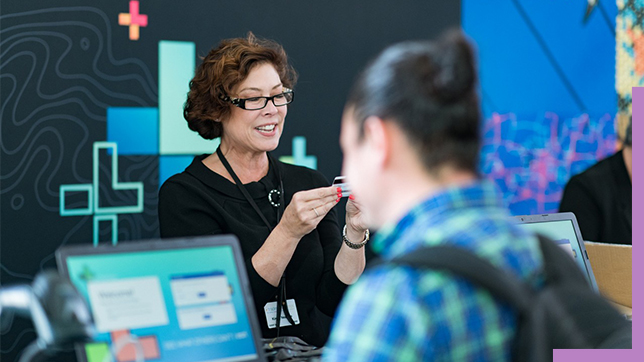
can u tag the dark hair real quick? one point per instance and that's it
(220, 71)
(428, 89)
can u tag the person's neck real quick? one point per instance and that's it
(410, 189)
(248, 166)
(627, 152)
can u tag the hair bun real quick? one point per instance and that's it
(455, 75)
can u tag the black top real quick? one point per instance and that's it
(199, 201)
(601, 199)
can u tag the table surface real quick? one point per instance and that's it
(628, 312)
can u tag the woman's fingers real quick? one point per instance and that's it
(316, 197)
(315, 203)
(329, 197)
(329, 204)
(307, 208)
(325, 193)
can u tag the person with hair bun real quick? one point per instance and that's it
(283, 215)
(410, 138)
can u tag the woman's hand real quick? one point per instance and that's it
(302, 215)
(354, 217)
(307, 209)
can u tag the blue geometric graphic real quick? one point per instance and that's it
(135, 130)
(114, 222)
(88, 210)
(170, 165)
(103, 213)
(299, 156)
(116, 185)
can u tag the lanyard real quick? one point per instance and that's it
(243, 190)
(281, 300)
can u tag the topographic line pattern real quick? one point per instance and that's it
(60, 70)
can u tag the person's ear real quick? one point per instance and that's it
(377, 139)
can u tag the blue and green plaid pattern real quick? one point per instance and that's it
(397, 313)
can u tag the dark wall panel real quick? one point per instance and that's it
(63, 64)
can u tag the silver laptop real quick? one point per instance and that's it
(564, 230)
(175, 300)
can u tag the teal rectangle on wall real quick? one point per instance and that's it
(176, 69)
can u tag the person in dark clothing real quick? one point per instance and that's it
(601, 197)
(298, 261)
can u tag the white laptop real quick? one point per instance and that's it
(564, 230)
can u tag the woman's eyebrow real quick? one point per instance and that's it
(259, 90)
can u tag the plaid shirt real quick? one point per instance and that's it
(397, 313)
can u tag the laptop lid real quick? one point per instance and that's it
(564, 230)
(176, 300)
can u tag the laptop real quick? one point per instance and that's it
(564, 230)
(174, 300)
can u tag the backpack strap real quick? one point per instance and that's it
(557, 264)
(476, 270)
(499, 283)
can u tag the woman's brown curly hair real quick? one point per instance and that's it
(220, 71)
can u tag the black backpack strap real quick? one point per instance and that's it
(476, 270)
(557, 264)
(500, 284)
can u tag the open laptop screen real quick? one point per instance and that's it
(182, 300)
(562, 229)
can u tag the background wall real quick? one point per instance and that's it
(547, 72)
(91, 109)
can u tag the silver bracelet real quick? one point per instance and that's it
(354, 245)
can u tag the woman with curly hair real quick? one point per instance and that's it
(283, 215)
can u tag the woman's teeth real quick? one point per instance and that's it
(266, 128)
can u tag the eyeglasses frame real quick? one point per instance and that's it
(241, 102)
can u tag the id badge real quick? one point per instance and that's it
(271, 308)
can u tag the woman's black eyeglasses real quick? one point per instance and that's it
(255, 103)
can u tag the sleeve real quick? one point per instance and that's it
(578, 198)
(183, 213)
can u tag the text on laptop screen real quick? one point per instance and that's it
(180, 304)
(563, 233)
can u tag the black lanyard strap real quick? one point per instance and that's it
(281, 299)
(242, 188)
(282, 303)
